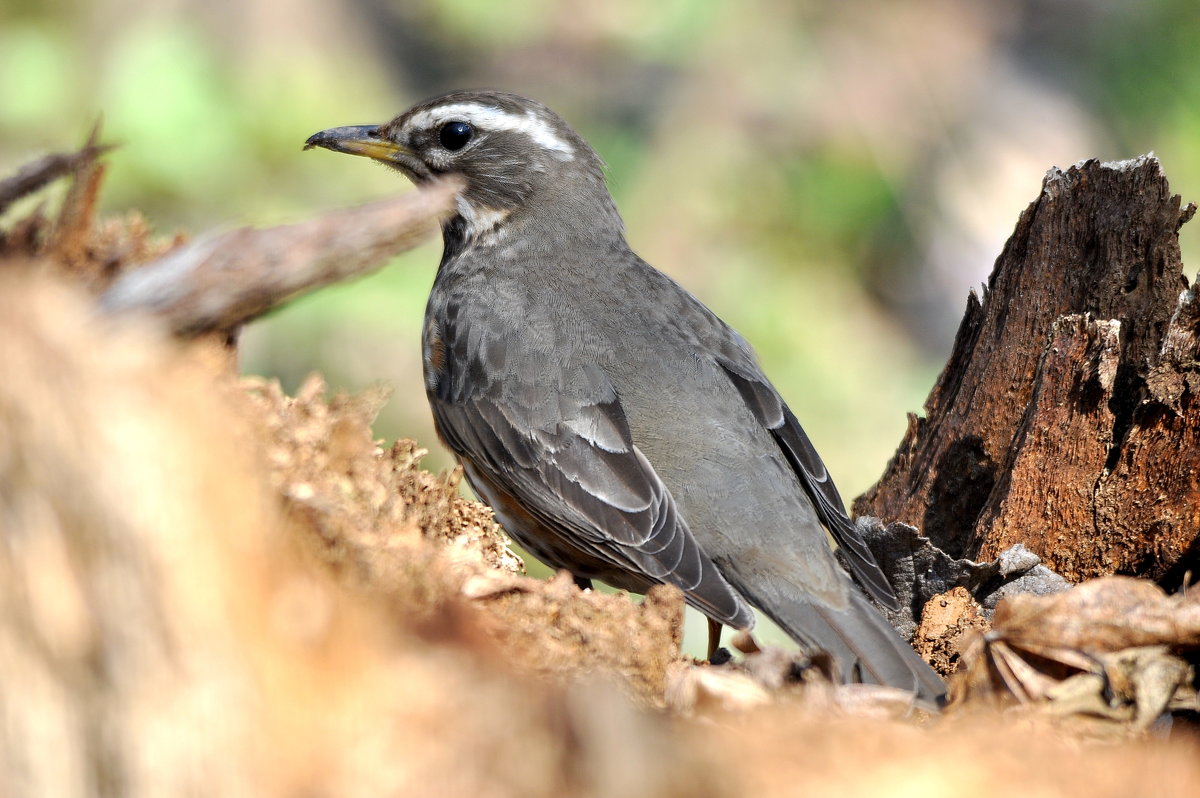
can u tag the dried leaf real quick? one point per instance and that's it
(1105, 614)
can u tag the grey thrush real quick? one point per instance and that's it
(617, 427)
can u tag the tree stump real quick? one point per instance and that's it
(1067, 416)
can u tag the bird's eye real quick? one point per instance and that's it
(455, 135)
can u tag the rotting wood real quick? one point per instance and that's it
(1066, 417)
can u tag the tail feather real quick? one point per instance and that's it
(863, 644)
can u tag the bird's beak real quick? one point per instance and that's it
(370, 141)
(357, 140)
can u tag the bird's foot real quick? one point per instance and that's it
(720, 657)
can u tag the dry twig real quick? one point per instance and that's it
(45, 170)
(220, 282)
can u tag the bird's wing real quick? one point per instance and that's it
(771, 411)
(567, 458)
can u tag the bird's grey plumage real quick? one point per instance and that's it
(619, 428)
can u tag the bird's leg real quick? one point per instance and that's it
(714, 638)
(582, 583)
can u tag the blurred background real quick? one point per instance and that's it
(831, 177)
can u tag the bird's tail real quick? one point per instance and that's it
(863, 644)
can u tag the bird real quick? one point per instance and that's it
(616, 426)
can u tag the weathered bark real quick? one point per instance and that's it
(1066, 418)
(221, 282)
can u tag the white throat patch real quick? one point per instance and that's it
(489, 117)
(484, 225)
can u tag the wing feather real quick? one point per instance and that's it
(570, 463)
(768, 407)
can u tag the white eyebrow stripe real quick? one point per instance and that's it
(489, 117)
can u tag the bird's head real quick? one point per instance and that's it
(512, 151)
